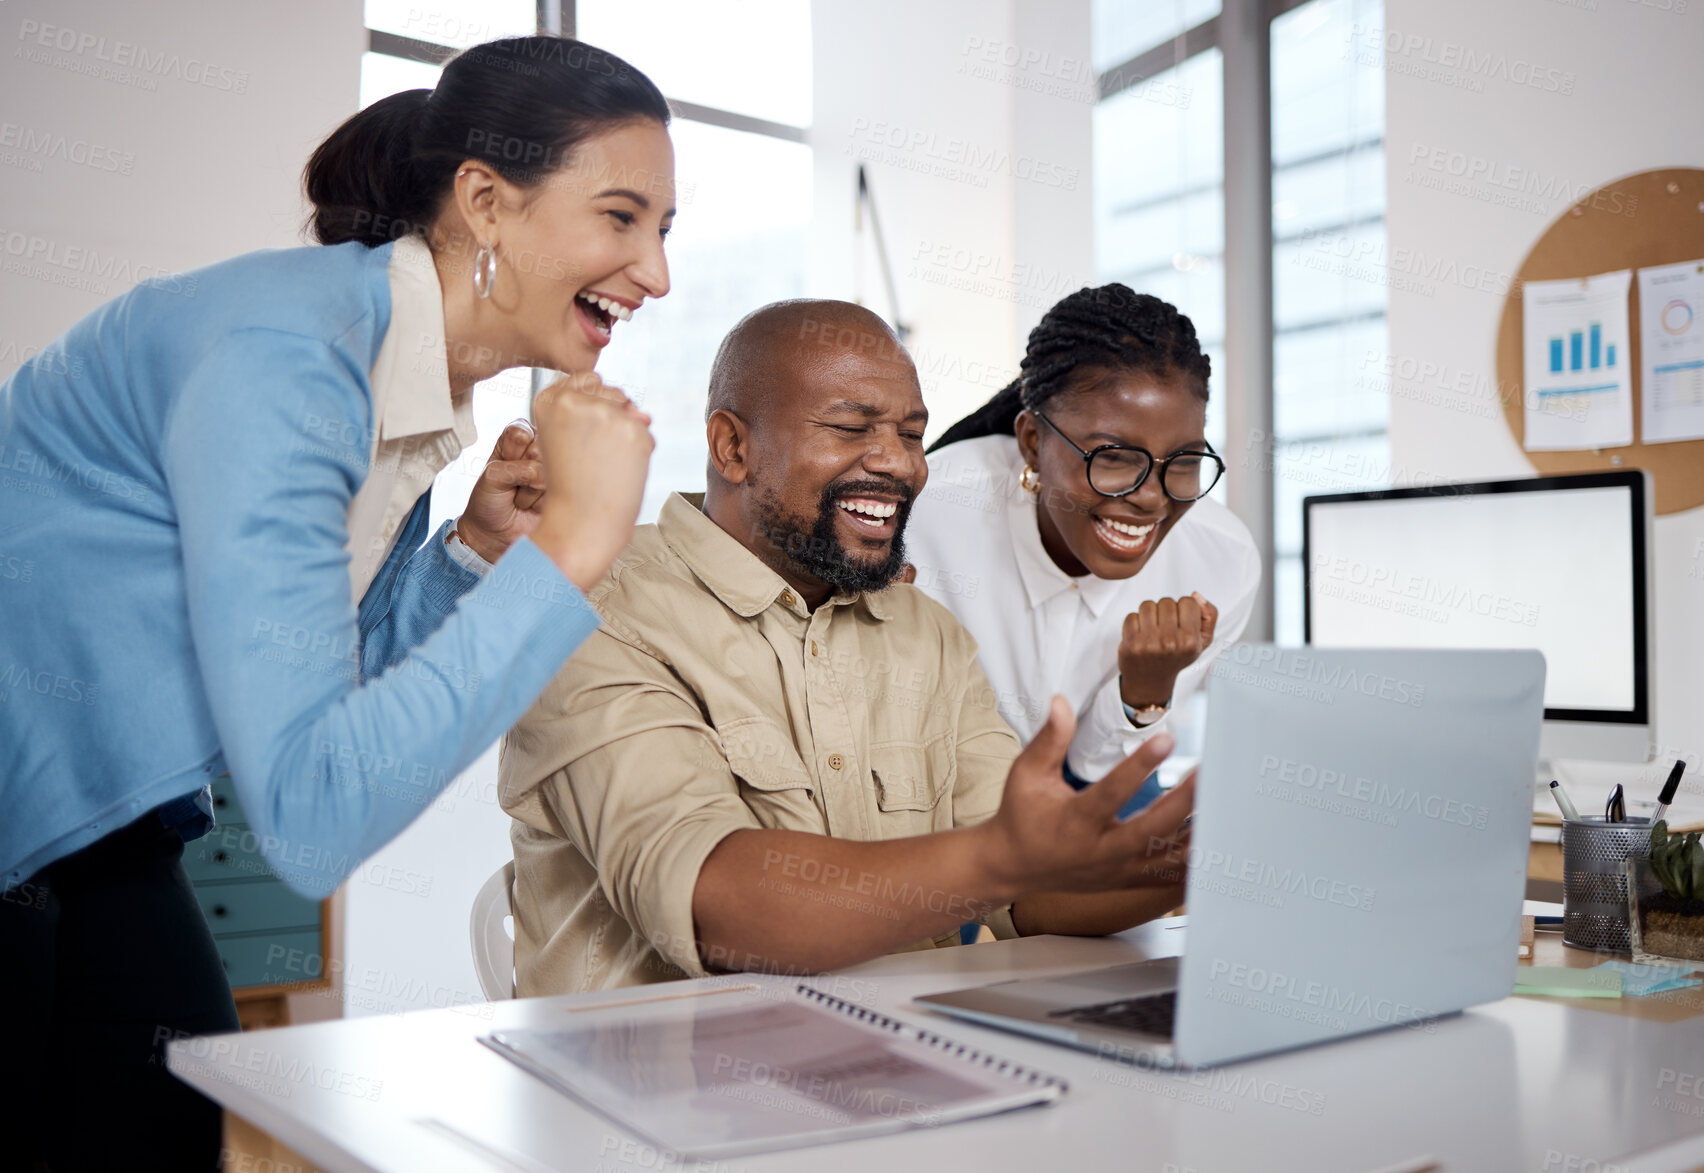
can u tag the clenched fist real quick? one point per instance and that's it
(596, 449)
(505, 503)
(1162, 638)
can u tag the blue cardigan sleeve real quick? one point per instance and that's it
(330, 766)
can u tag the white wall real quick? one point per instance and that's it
(980, 174)
(147, 138)
(1614, 77)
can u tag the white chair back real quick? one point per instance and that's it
(492, 937)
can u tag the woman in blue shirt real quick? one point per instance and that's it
(218, 484)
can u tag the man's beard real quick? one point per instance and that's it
(816, 548)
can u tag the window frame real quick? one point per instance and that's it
(1251, 392)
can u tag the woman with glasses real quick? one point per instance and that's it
(1066, 525)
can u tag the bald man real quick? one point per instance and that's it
(773, 757)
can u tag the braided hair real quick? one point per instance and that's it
(1098, 330)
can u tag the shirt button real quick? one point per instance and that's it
(814, 648)
(835, 761)
(787, 599)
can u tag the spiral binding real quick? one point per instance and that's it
(939, 1042)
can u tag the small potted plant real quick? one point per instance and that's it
(1667, 892)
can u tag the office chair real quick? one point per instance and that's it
(492, 939)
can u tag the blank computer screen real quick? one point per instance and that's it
(1551, 570)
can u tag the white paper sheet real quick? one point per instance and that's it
(1671, 352)
(1578, 393)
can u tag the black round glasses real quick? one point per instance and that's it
(1118, 470)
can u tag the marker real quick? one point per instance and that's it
(1615, 810)
(1669, 788)
(1569, 814)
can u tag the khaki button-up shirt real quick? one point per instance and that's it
(710, 701)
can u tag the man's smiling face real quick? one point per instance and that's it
(837, 459)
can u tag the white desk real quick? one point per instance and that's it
(1520, 1085)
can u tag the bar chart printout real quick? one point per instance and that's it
(1578, 391)
(1671, 352)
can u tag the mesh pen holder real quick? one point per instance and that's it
(1594, 881)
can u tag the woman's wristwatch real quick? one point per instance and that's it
(1146, 715)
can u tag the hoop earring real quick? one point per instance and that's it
(1030, 480)
(484, 270)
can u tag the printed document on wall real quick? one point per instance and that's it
(1671, 352)
(1578, 392)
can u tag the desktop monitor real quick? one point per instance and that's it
(1561, 564)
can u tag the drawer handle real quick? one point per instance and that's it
(220, 857)
(219, 910)
(219, 800)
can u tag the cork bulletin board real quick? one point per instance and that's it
(1649, 218)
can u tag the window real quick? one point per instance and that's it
(1160, 200)
(752, 57)
(1329, 411)
(729, 253)
(1159, 227)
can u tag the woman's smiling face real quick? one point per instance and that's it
(580, 251)
(1083, 531)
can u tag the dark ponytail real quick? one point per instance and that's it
(521, 104)
(1101, 330)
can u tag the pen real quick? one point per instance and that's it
(1669, 787)
(1615, 810)
(1561, 796)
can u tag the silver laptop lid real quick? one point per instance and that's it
(1360, 842)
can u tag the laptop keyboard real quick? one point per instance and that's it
(1151, 1014)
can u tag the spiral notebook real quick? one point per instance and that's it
(766, 1068)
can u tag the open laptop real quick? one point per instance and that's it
(1357, 862)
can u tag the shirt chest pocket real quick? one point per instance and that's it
(773, 779)
(911, 779)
